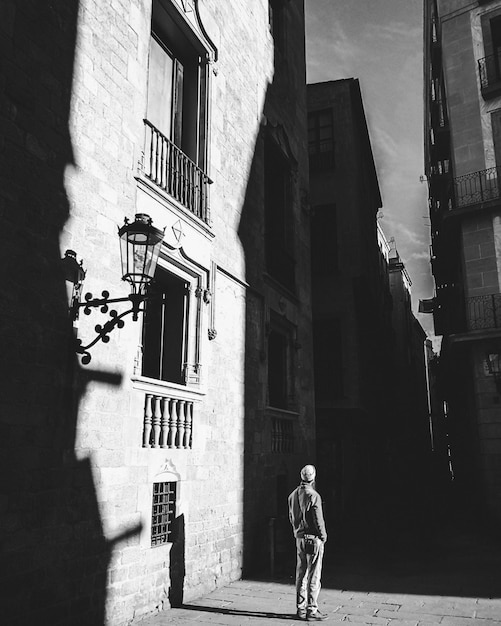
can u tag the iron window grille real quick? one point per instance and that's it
(282, 435)
(163, 512)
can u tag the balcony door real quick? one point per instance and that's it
(165, 91)
(496, 135)
(496, 45)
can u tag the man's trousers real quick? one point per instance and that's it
(308, 573)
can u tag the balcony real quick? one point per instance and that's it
(483, 312)
(490, 75)
(477, 187)
(439, 118)
(167, 422)
(175, 173)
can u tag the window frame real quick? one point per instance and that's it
(197, 277)
(154, 336)
(166, 536)
(189, 114)
(287, 331)
(321, 159)
(280, 252)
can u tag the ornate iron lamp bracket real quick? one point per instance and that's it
(140, 244)
(116, 320)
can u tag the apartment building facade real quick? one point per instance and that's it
(136, 467)
(462, 108)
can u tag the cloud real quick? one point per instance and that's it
(408, 236)
(395, 31)
(380, 43)
(420, 256)
(331, 52)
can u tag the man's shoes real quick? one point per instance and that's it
(301, 615)
(316, 617)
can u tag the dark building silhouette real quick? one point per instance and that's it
(462, 159)
(370, 381)
(351, 303)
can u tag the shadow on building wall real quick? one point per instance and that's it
(177, 566)
(272, 462)
(54, 553)
(395, 536)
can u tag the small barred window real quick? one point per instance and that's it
(163, 512)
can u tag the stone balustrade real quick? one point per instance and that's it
(167, 422)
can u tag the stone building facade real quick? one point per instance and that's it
(462, 159)
(155, 472)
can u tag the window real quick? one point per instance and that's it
(280, 365)
(279, 239)
(165, 329)
(321, 140)
(490, 66)
(324, 240)
(282, 436)
(496, 36)
(163, 512)
(165, 91)
(277, 369)
(176, 111)
(328, 359)
(176, 84)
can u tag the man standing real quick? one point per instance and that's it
(307, 519)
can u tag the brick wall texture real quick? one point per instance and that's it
(76, 482)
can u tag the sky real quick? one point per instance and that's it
(380, 42)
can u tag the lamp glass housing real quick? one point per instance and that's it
(140, 244)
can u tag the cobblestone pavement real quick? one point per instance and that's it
(457, 587)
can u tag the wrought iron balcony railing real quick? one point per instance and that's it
(439, 114)
(477, 187)
(483, 312)
(489, 70)
(168, 167)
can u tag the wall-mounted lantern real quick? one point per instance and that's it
(140, 244)
(494, 367)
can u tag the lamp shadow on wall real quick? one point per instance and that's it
(55, 556)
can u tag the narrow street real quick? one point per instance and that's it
(458, 584)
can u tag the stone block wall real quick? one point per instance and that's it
(460, 69)
(77, 488)
(481, 271)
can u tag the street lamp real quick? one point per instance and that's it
(140, 244)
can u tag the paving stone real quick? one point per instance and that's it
(492, 611)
